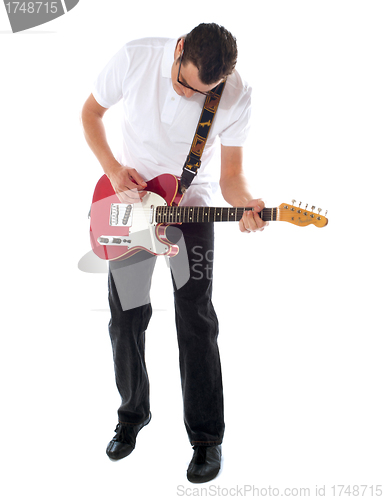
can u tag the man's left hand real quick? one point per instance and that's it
(251, 220)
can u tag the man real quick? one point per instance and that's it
(163, 84)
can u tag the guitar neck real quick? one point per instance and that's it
(169, 215)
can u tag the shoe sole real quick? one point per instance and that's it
(198, 480)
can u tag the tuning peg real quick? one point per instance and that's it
(319, 210)
(293, 202)
(313, 208)
(306, 206)
(326, 213)
(299, 204)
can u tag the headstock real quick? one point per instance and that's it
(301, 216)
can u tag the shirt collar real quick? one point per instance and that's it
(168, 58)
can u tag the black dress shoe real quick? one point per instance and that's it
(125, 439)
(205, 464)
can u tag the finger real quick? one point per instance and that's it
(260, 205)
(135, 192)
(258, 223)
(253, 222)
(250, 222)
(242, 225)
(257, 205)
(137, 177)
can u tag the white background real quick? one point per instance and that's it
(299, 308)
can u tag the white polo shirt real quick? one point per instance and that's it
(159, 125)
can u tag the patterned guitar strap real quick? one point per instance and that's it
(193, 161)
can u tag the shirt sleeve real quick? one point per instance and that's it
(108, 86)
(235, 134)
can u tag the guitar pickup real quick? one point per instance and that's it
(121, 214)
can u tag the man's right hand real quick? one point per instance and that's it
(127, 183)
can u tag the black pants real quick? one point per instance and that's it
(197, 331)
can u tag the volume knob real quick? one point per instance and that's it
(103, 241)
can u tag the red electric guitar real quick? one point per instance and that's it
(119, 230)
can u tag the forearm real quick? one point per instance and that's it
(95, 135)
(233, 184)
(235, 190)
(126, 181)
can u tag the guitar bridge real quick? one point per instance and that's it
(121, 215)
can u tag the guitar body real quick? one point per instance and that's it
(132, 227)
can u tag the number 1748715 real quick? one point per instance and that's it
(32, 7)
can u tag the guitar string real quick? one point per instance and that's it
(181, 211)
(216, 208)
(174, 209)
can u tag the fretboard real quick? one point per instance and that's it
(168, 215)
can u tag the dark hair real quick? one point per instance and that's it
(213, 50)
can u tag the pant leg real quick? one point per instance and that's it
(197, 331)
(129, 284)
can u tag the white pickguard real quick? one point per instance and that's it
(140, 220)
